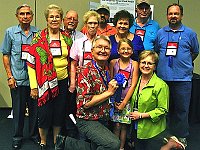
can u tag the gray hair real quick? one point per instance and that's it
(51, 7)
(23, 5)
(101, 37)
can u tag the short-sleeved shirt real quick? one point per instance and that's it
(182, 68)
(150, 28)
(137, 46)
(13, 39)
(90, 83)
(79, 48)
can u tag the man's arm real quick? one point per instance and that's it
(73, 76)
(194, 47)
(97, 99)
(11, 81)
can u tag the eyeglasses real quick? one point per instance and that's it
(71, 19)
(100, 47)
(147, 63)
(126, 49)
(54, 17)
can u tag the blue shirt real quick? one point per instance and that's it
(181, 68)
(13, 39)
(151, 28)
(137, 46)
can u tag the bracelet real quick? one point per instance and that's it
(10, 78)
(140, 116)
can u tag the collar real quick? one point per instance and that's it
(168, 29)
(19, 29)
(105, 68)
(149, 22)
(151, 82)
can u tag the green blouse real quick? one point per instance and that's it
(154, 100)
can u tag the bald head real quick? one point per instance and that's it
(70, 20)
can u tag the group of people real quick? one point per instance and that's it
(132, 80)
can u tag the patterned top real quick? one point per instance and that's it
(90, 83)
(41, 60)
(127, 72)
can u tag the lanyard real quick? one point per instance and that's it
(107, 74)
(179, 37)
(33, 34)
(137, 95)
(83, 49)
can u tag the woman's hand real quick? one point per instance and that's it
(72, 88)
(135, 115)
(34, 93)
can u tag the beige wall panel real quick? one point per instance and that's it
(8, 7)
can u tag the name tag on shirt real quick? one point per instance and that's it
(140, 33)
(172, 48)
(24, 51)
(87, 56)
(55, 48)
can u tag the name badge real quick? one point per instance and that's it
(172, 48)
(24, 51)
(87, 56)
(140, 33)
(55, 48)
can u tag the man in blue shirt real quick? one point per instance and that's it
(14, 48)
(144, 26)
(178, 47)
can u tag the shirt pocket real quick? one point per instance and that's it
(16, 55)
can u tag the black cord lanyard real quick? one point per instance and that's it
(83, 49)
(179, 37)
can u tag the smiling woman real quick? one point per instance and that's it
(123, 20)
(54, 15)
(48, 73)
(150, 102)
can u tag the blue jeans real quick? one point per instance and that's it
(180, 94)
(100, 137)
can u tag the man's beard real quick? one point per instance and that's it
(103, 20)
(174, 23)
